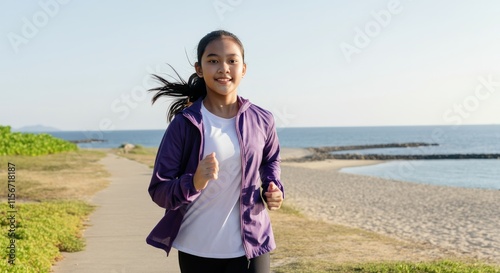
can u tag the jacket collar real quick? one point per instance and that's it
(193, 112)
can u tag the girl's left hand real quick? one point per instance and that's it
(274, 197)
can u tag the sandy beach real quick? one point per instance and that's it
(452, 221)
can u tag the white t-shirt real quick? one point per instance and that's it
(211, 227)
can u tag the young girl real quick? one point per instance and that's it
(217, 166)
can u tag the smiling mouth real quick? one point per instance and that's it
(223, 80)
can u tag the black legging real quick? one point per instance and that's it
(194, 264)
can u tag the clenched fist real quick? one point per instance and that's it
(208, 169)
(274, 197)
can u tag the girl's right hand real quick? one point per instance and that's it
(208, 169)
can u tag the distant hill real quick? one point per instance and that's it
(36, 128)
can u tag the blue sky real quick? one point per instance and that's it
(84, 65)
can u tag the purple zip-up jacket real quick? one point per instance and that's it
(178, 156)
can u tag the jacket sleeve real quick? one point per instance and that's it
(270, 169)
(170, 187)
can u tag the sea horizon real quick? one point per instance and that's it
(54, 129)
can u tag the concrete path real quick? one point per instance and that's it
(118, 228)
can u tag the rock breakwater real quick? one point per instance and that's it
(323, 153)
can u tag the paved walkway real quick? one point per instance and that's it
(119, 226)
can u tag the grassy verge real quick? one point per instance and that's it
(67, 175)
(311, 246)
(51, 194)
(388, 267)
(42, 231)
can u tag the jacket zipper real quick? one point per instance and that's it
(242, 155)
(200, 129)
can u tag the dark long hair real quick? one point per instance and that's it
(195, 87)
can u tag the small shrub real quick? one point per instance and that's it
(15, 143)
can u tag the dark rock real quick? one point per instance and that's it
(322, 153)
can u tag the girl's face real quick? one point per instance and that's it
(222, 67)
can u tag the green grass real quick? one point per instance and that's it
(62, 176)
(389, 267)
(42, 231)
(312, 246)
(53, 162)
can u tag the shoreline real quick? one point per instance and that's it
(458, 221)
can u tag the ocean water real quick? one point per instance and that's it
(450, 139)
(113, 139)
(467, 173)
